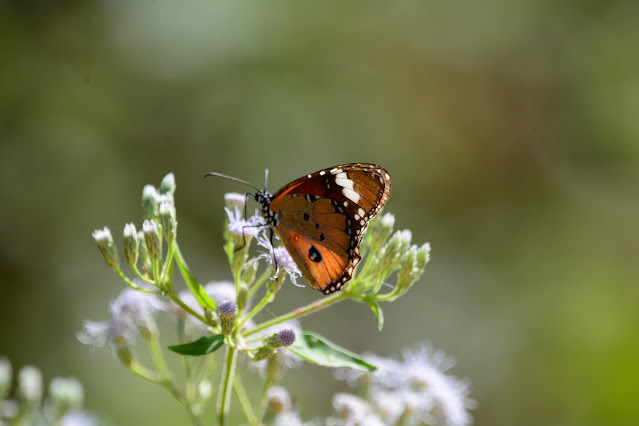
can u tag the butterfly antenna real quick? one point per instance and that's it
(234, 179)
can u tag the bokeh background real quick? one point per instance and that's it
(511, 131)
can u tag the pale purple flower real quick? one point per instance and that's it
(354, 411)
(424, 373)
(417, 385)
(281, 258)
(244, 228)
(131, 312)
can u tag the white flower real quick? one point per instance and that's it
(102, 235)
(239, 227)
(281, 258)
(417, 386)
(354, 411)
(235, 200)
(424, 372)
(30, 383)
(131, 312)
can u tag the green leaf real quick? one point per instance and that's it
(196, 288)
(377, 310)
(202, 346)
(317, 350)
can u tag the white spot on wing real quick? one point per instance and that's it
(345, 203)
(361, 212)
(342, 180)
(387, 176)
(322, 173)
(351, 195)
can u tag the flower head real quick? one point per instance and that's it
(235, 200)
(279, 257)
(243, 230)
(104, 241)
(131, 313)
(417, 385)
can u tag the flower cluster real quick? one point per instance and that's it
(224, 315)
(62, 406)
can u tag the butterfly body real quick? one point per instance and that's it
(321, 218)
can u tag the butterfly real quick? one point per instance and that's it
(321, 218)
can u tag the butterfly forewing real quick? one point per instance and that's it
(320, 219)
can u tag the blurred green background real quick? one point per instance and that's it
(510, 129)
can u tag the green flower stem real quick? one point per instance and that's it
(243, 399)
(379, 283)
(164, 378)
(187, 308)
(158, 357)
(141, 276)
(156, 273)
(168, 266)
(261, 280)
(300, 312)
(224, 402)
(261, 404)
(268, 297)
(131, 284)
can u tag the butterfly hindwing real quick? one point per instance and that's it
(321, 218)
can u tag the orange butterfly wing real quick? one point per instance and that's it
(321, 219)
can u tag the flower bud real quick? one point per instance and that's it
(152, 239)
(150, 206)
(167, 218)
(144, 253)
(380, 229)
(104, 240)
(30, 384)
(263, 353)
(234, 199)
(168, 184)
(275, 366)
(398, 243)
(227, 311)
(406, 273)
(274, 284)
(242, 297)
(423, 257)
(284, 337)
(5, 378)
(124, 354)
(131, 244)
(249, 271)
(66, 393)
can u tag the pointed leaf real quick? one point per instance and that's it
(377, 310)
(196, 288)
(202, 346)
(317, 350)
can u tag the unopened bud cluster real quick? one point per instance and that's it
(389, 253)
(145, 246)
